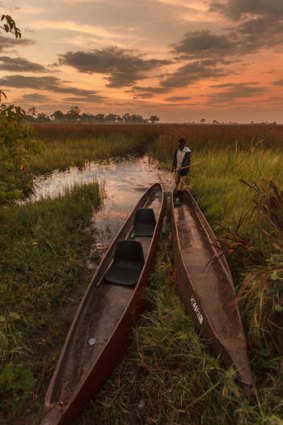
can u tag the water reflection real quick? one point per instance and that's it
(123, 183)
(134, 174)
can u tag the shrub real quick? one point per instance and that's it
(16, 145)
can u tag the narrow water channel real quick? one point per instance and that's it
(123, 183)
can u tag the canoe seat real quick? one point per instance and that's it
(127, 263)
(144, 222)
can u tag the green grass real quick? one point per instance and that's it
(71, 144)
(215, 177)
(218, 137)
(169, 376)
(249, 223)
(44, 246)
(216, 181)
(74, 144)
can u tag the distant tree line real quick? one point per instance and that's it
(75, 115)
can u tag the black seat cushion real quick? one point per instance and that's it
(127, 263)
(144, 222)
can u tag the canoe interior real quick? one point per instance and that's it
(101, 310)
(208, 278)
(206, 287)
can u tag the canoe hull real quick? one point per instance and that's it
(229, 343)
(110, 358)
(116, 346)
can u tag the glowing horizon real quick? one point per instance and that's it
(212, 59)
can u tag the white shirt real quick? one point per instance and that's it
(180, 156)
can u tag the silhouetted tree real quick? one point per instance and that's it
(58, 115)
(99, 117)
(137, 118)
(86, 117)
(41, 117)
(126, 117)
(32, 111)
(153, 119)
(74, 113)
(9, 25)
(110, 118)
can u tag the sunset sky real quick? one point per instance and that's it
(182, 60)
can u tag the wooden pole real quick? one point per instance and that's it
(189, 166)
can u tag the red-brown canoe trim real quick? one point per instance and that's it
(106, 314)
(206, 288)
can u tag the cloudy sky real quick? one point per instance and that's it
(182, 60)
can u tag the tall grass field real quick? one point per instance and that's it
(74, 144)
(169, 376)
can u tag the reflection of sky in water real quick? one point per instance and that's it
(134, 174)
(123, 181)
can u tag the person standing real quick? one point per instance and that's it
(181, 165)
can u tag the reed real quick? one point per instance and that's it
(261, 293)
(218, 137)
(75, 144)
(215, 179)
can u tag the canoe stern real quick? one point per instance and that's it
(52, 416)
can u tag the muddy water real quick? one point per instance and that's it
(123, 183)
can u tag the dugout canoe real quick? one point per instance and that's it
(98, 336)
(206, 288)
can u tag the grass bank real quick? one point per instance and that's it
(74, 144)
(44, 247)
(217, 178)
(216, 172)
(249, 220)
(231, 137)
(170, 378)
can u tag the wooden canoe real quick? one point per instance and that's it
(206, 288)
(98, 336)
